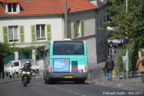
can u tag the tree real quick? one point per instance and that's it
(5, 49)
(131, 22)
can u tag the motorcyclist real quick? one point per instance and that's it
(27, 66)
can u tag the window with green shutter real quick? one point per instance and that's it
(33, 33)
(74, 30)
(5, 34)
(13, 33)
(40, 32)
(49, 37)
(82, 28)
(22, 37)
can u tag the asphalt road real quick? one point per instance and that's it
(38, 88)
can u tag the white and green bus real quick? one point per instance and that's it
(65, 60)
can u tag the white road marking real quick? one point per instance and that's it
(76, 93)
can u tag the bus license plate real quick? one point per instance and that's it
(68, 76)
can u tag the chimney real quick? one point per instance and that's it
(98, 3)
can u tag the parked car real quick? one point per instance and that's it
(13, 68)
(116, 42)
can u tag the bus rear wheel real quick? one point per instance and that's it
(82, 81)
(46, 81)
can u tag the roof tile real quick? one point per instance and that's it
(42, 7)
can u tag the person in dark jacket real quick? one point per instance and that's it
(109, 66)
(27, 66)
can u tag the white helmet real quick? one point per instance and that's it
(27, 62)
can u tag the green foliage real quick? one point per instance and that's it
(40, 51)
(9, 57)
(133, 57)
(25, 49)
(131, 22)
(5, 49)
(41, 48)
(25, 55)
(120, 61)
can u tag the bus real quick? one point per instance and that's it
(65, 60)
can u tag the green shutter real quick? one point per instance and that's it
(9, 57)
(33, 33)
(82, 28)
(22, 37)
(74, 30)
(5, 34)
(49, 38)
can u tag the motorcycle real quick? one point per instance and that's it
(25, 76)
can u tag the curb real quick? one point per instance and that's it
(8, 81)
(114, 85)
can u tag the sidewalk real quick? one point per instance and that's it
(97, 77)
(129, 84)
(7, 80)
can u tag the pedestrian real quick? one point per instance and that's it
(113, 52)
(109, 66)
(111, 44)
(140, 65)
(126, 41)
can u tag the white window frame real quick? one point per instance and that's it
(40, 30)
(13, 34)
(12, 8)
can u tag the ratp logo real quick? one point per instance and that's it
(65, 61)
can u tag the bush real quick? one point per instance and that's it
(133, 57)
(121, 66)
(40, 51)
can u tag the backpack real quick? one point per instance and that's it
(142, 62)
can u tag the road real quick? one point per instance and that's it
(38, 88)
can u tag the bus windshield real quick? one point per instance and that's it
(68, 48)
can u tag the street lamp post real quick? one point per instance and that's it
(126, 6)
(65, 21)
(127, 63)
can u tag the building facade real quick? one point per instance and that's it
(37, 22)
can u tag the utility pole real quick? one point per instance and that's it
(127, 56)
(126, 6)
(65, 21)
